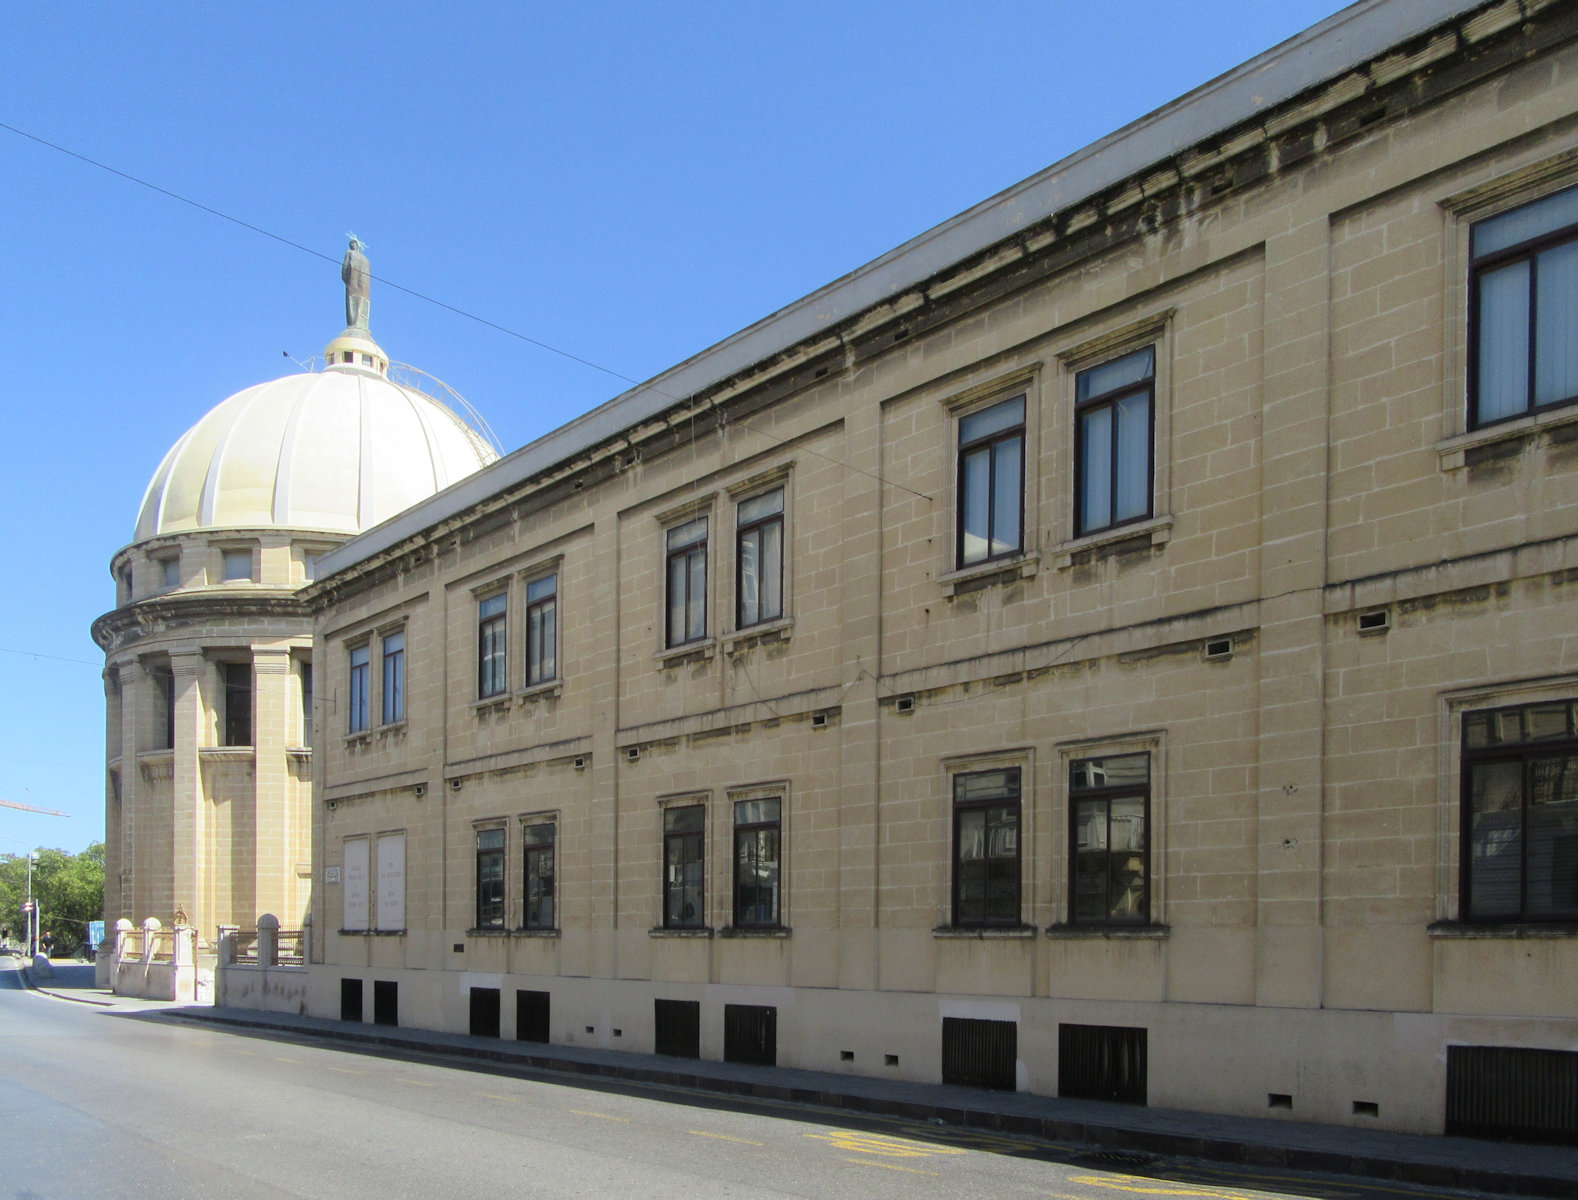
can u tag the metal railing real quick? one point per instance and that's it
(291, 949)
(244, 947)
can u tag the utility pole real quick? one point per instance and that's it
(32, 909)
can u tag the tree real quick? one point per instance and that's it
(69, 890)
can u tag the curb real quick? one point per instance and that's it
(27, 982)
(1098, 1136)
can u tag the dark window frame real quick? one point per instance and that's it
(987, 445)
(1106, 795)
(491, 861)
(359, 699)
(745, 834)
(684, 847)
(755, 531)
(542, 629)
(1526, 752)
(1527, 251)
(1109, 400)
(962, 914)
(533, 854)
(392, 678)
(693, 607)
(493, 660)
(237, 678)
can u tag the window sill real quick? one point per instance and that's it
(1074, 933)
(998, 570)
(395, 729)
(490, 704)
(768, 631)
(489, 933)
(535, 933)
(983, 932)
(677, 656)
(694, 931)
(1453, 451)
(154, 757)
(551, 690)
(1157, 530)
(371, 932)
(302, 752)
(241, 753)
(1474, 931)
(362, 737)
(778, 932)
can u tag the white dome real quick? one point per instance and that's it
(339, 449)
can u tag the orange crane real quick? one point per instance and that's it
(48, 812)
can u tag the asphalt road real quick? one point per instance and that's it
(108, 1104)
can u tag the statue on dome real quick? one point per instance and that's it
(358, 277)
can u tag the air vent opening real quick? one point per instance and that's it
(904, 704)
(1377, 621)
(1219, 649)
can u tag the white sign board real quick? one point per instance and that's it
(355, 887)
(391, 881)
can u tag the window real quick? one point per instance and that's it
(759, 561)
(164, 680)
(238, 703)
(394, 677)
(1114, 409)
(361, 656)
(756, 863)
(1520, 813)
(538, 837)
(687, 582)
(986, 848)
(306, 704)
(1109, 807)
(991, 482)
(391, 881)
(683, 871)
(492, 673)
(171, 567)
(1523, 310)
(542, 629)
(490, 879)
(237, 565)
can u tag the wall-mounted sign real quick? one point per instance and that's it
(331, 874)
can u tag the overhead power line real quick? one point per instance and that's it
(400, 287)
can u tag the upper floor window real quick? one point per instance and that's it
(538, 839)
(306, 703)
(1109, 808)
(687, 582)
(1114, 410)
(759, 561)
(986, 867)
(171, 568)
(164, 680)
(991, 482)
(360, 715)
(684, 873)
(394, 677)
(757, 863)
(238, 703)
(1520, 813)
(492, 672)
(237, 565)
(542, 630)
(490, 879)
(1523, 310)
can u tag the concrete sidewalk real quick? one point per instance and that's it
(1375, 1154)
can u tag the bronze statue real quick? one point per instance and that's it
(358, 277)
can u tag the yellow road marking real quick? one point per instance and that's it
(496, 1096)
(1137, 1187)
(866, 1162)
(881, 1144)
(1328, 1190)
(283, 1059)
(723, 1137)
(415, 1082)
(345, 1070)
(581, 1112)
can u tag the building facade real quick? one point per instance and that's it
(208, 652)
(1118, 644)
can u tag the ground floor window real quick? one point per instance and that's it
(986, 865)
(1109, 810)
(1520, 813)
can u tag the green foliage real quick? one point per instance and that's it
(69, 889)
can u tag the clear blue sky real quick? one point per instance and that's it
(629, 183)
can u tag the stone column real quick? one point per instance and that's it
(188, 886)
(277, 841)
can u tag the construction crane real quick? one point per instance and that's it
(48, 812)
